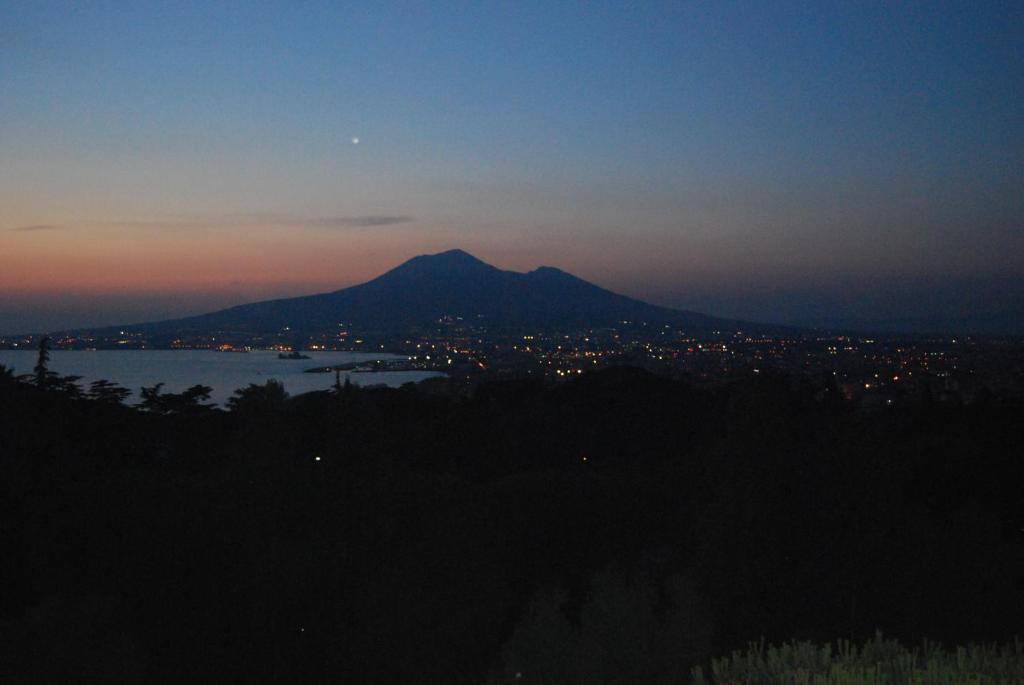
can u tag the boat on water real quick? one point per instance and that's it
(293, 355)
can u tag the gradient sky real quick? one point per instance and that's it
(798, 162)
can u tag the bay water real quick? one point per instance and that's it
(225, 372)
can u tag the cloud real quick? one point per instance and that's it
(261, 217)
(358, 221)
(155, 224)
(270, 219)
(36, 227)
(205, 221)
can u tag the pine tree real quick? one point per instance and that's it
(41, 370)
(105, 391)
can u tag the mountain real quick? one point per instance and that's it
(416, 294)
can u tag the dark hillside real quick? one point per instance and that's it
(416, 535)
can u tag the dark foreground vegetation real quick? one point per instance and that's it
(878, 661)
(621, 527)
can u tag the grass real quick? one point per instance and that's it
(878, 662)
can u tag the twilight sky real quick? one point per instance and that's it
(796, 162)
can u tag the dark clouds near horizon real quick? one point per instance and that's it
(359, 221)
(35, 227)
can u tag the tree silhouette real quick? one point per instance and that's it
(43, 377)
(151, 399)
(621, 636)
(105, 391)
(193, 398)
(341, 389)
(259, 399)
(190, 401)
(41, 370)
(65, 384)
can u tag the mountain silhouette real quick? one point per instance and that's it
(420, 292)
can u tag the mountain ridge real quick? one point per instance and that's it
(417, 293)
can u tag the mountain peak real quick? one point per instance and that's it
(455, 253)
(448, 259)
(455, 256)
(551, 270)
(448, 264)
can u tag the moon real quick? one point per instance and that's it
(355, 141)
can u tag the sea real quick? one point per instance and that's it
(225, 372)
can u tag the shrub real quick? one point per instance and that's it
(879, 661)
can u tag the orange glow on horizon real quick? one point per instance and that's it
(119, 260)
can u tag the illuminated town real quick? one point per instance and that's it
(871, 371)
